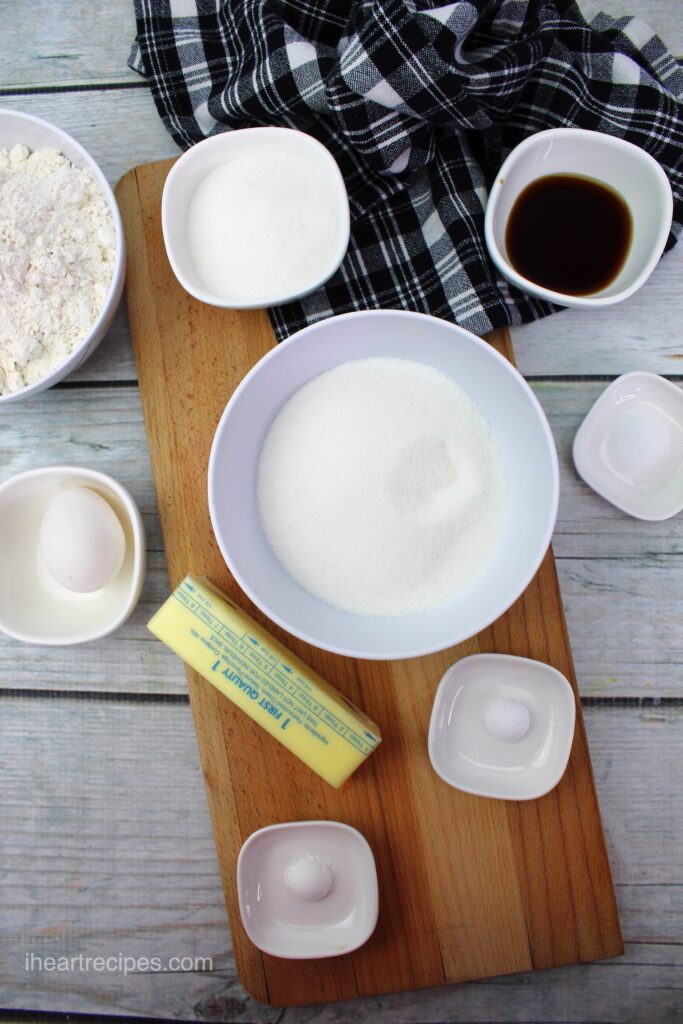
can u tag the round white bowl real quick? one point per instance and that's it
(505, 399)
(196, 163)
(626, 168)
(35, 133)
(28, 610)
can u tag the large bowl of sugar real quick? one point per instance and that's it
(383, 484)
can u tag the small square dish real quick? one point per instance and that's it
(307, 889)
(502, 726)
(629, 448)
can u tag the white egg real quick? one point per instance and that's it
(507, 719)
(309, 879)
(82, 544)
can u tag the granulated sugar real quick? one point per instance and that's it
(262, 220)
(381, 487)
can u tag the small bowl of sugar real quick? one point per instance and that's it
(255, 217)
(64, 255)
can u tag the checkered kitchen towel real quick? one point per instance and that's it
(419, 101)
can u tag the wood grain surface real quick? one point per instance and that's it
(126, 863)
(533, 886)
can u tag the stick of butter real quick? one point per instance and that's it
(291, 701)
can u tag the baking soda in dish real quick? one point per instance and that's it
(262, 223)
(381, 487)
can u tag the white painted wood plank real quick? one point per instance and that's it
(59, 43)
(642, 333)
(60, 48)
(120, 128)
(106, 850)
(624, 621)
(663, 16)
(621, 579)
(623, 618)
(643, 987)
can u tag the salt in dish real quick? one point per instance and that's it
(629, 448)
(307, 889)
(502, 726)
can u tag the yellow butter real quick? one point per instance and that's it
(291, 701)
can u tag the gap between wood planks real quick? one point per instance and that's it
(532, 378)
(127, 697)
(41, 90)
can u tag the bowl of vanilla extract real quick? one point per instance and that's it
(578, 218)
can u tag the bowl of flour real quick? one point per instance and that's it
(383, 484)
(62, 255)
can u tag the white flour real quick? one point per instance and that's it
(57, 249)
(381, 487)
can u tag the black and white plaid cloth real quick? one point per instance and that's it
(419, 101)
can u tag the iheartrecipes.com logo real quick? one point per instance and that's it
(119, 963)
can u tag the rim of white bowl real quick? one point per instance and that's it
(139, 553)
(215, 142)
(562, 298)
(113, 296)
(386, 655)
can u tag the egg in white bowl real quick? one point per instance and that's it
(72, 550)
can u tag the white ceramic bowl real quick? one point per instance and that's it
(195, 164)
(34, 614)
(35, 133)
(283, 925)
(506, 401)
(629, 448)
(626, 168)
(465, 754)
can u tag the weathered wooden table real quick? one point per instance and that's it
(105, 843)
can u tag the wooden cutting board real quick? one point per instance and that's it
(469, 887)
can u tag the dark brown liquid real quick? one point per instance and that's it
(569, 234)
